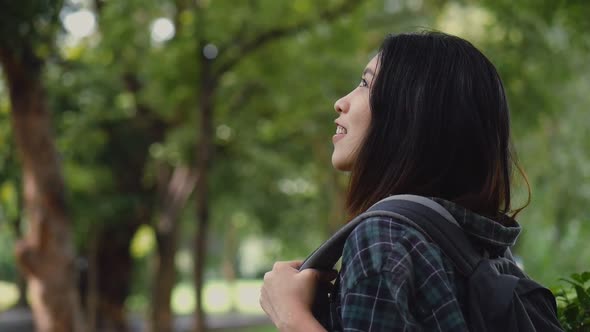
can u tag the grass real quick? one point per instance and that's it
(219, 297)
(8, 294)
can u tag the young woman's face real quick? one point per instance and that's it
(353, 120)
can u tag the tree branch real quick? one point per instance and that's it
(266, 37)
(181, 184)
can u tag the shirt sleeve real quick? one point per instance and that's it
(375, 304)
(377, 279)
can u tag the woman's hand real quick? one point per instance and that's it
(287, 294)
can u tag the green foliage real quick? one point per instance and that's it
(541, 59)
(29, 21)
(10, 193)
(557, 165)
(8, 270)
(124, 106)
(574, 302)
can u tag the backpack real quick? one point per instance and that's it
(500, 296)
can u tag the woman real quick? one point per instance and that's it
(429, 118)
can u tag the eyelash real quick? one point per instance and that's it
(363, 83)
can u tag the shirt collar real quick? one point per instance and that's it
(484, 230)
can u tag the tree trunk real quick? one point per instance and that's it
(45, 253)
(115, 272)
(91, 282)
(165, 276)
(204, 160)
(177, 192)
(21, 282)
(230, 250)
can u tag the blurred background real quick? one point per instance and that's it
(157, 156)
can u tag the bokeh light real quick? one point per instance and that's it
(210, 51)
(162, 30)
(80, 24)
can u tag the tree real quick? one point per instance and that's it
(210, 75)
(46, 253)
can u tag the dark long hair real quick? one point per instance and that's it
(439, 127)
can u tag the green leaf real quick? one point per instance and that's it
(572, 282)
(577, 277)
(583, 296)
(571, 313)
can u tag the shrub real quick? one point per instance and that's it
(573, 302)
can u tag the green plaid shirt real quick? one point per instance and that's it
(393, 279)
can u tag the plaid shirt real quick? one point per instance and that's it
(393, 279)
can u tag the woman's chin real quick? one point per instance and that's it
(341, 165)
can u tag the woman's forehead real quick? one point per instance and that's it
(372, 65)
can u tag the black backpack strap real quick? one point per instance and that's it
(437, 224)
(327, 254)
(421, 213)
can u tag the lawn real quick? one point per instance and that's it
(219, 297)
(8, 294)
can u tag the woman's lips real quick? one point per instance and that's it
(340, 132)
(337, 137)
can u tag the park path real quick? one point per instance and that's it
(21, 320)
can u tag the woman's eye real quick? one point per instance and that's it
(363, 83)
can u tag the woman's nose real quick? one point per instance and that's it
(341, 105)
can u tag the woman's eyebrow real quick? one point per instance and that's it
(368, 71)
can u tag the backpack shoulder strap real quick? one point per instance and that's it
(437, 224)
(421, 213)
